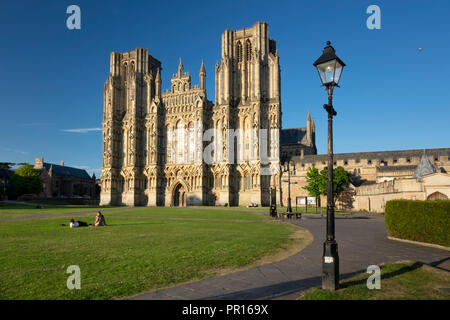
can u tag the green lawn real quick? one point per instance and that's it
(20, 210)
(131, 255)
(399, 281)
(201, 212)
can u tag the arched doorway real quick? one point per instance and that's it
(179, 196)
(437, 196)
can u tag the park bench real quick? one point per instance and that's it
(286, 215)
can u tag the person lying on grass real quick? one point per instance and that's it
(99, 220)
(76, 224)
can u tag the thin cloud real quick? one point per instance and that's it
(82, 130)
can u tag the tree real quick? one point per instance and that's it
(315, 183)
(25, 180)
(340, 181)
(6, 165)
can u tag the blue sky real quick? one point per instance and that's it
(392, 95)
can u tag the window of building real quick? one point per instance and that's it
(345, 162)
(369, 161)
(249, 50)
(239, 51)
(218, 182)
(408, 160)
(248, 182)
(395, 160)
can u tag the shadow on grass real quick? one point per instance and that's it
(294, 288)
(384, 276)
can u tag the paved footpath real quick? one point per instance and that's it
(362, 241)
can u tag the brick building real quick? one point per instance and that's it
(63, 181)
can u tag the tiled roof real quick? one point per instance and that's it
(292, 135)
(67, 171)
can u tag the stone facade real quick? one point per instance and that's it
(377, 177)
(153, 141)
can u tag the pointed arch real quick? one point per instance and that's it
(249, 49)
(239, 51)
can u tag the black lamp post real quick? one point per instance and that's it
(288, 170)
(330, 69)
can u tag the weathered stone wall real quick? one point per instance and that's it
(392, 169)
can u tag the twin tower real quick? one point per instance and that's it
(177, 148)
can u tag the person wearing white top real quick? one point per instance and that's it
(76, 224)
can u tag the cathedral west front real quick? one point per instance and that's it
(175, 147)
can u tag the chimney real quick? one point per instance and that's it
(39, 163)
(62, 163)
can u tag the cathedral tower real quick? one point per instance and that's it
(131, 104)
(154, 142)
(247, 101)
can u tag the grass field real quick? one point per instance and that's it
(130, 255)
(399, 281)
(199, 213)
(8, 210)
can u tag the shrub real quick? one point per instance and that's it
(424, 221)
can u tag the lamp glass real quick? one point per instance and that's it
(330, 72)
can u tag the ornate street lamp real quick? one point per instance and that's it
(330, 69)
(288, 170)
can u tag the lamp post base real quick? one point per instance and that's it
(289, 207)
(330, 275)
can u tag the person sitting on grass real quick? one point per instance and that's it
(99, 220)
(75, 224)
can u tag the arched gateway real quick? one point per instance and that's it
(179, 195)
(437, 196)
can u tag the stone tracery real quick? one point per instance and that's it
(153, 140)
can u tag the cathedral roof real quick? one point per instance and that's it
(425, 167)
(292, 135)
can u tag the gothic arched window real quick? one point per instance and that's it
(125, 71)
(249, 50)
(191, 142)
(180, 141)
(169, 144)
(239, 51)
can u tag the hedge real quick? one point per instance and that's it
(424, 221)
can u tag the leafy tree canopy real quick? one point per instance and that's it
(317, 182)
(26, 180)
(340, 181)
(6, 165)
(314, 182)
